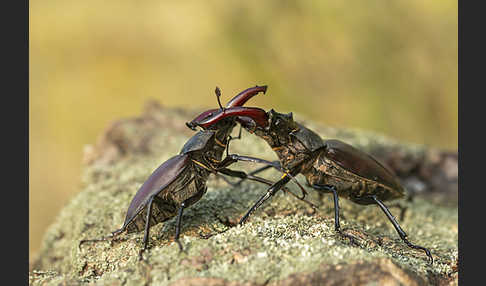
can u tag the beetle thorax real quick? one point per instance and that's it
(223, 131)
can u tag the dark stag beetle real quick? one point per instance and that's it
(329, 166)
(181, 181)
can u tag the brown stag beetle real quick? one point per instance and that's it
(181, 181)
(329, 166)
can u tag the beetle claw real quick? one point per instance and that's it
(181, 249)
(431, 259)
(140, 254)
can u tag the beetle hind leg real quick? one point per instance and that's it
(400, 231)
(109, 238)
(337, 225)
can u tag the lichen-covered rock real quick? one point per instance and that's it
(285, 242)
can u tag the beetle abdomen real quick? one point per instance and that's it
(361, 164)
(160, 179)
(188, 187)
(161, 211)
(325, 171)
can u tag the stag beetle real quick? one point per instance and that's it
(329, 166)
(181, 181)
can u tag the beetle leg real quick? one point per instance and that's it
(400, 231)
(118, 231)
(270, 192)
(178, 226)
(226, 180)
(256, 171)
(402, 209)
(147, 227)
(227, 154)
(337, 225)
(232, 138)
(232, 158)
(285, 189)
(243, 175)
(104, 238)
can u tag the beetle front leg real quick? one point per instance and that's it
(233, 158)
(227, 181)
(270, 192)
(232, 138)
(243, 175)
(256, 171)
(400, 231)
(337, 225)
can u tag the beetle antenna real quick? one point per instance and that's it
(218, 95)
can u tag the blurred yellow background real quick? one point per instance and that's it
(387, 66)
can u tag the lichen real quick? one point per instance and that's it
(284, 240)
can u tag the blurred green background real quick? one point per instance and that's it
(387, 66)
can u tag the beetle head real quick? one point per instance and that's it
(281, 121)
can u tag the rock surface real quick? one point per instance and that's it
(285, 242)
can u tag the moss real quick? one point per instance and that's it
(283, 241)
